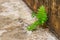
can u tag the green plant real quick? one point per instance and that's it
(41, 15)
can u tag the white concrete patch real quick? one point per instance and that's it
(2, 31)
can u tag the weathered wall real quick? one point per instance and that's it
(53, 10)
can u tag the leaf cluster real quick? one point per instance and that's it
(41, 15)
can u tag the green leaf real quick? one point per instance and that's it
(33, 26)
(41, 15)
(33, 14)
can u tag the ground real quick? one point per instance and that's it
(15, 16)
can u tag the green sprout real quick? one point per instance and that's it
(41, 15)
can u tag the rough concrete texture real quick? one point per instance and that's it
(15, 16)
